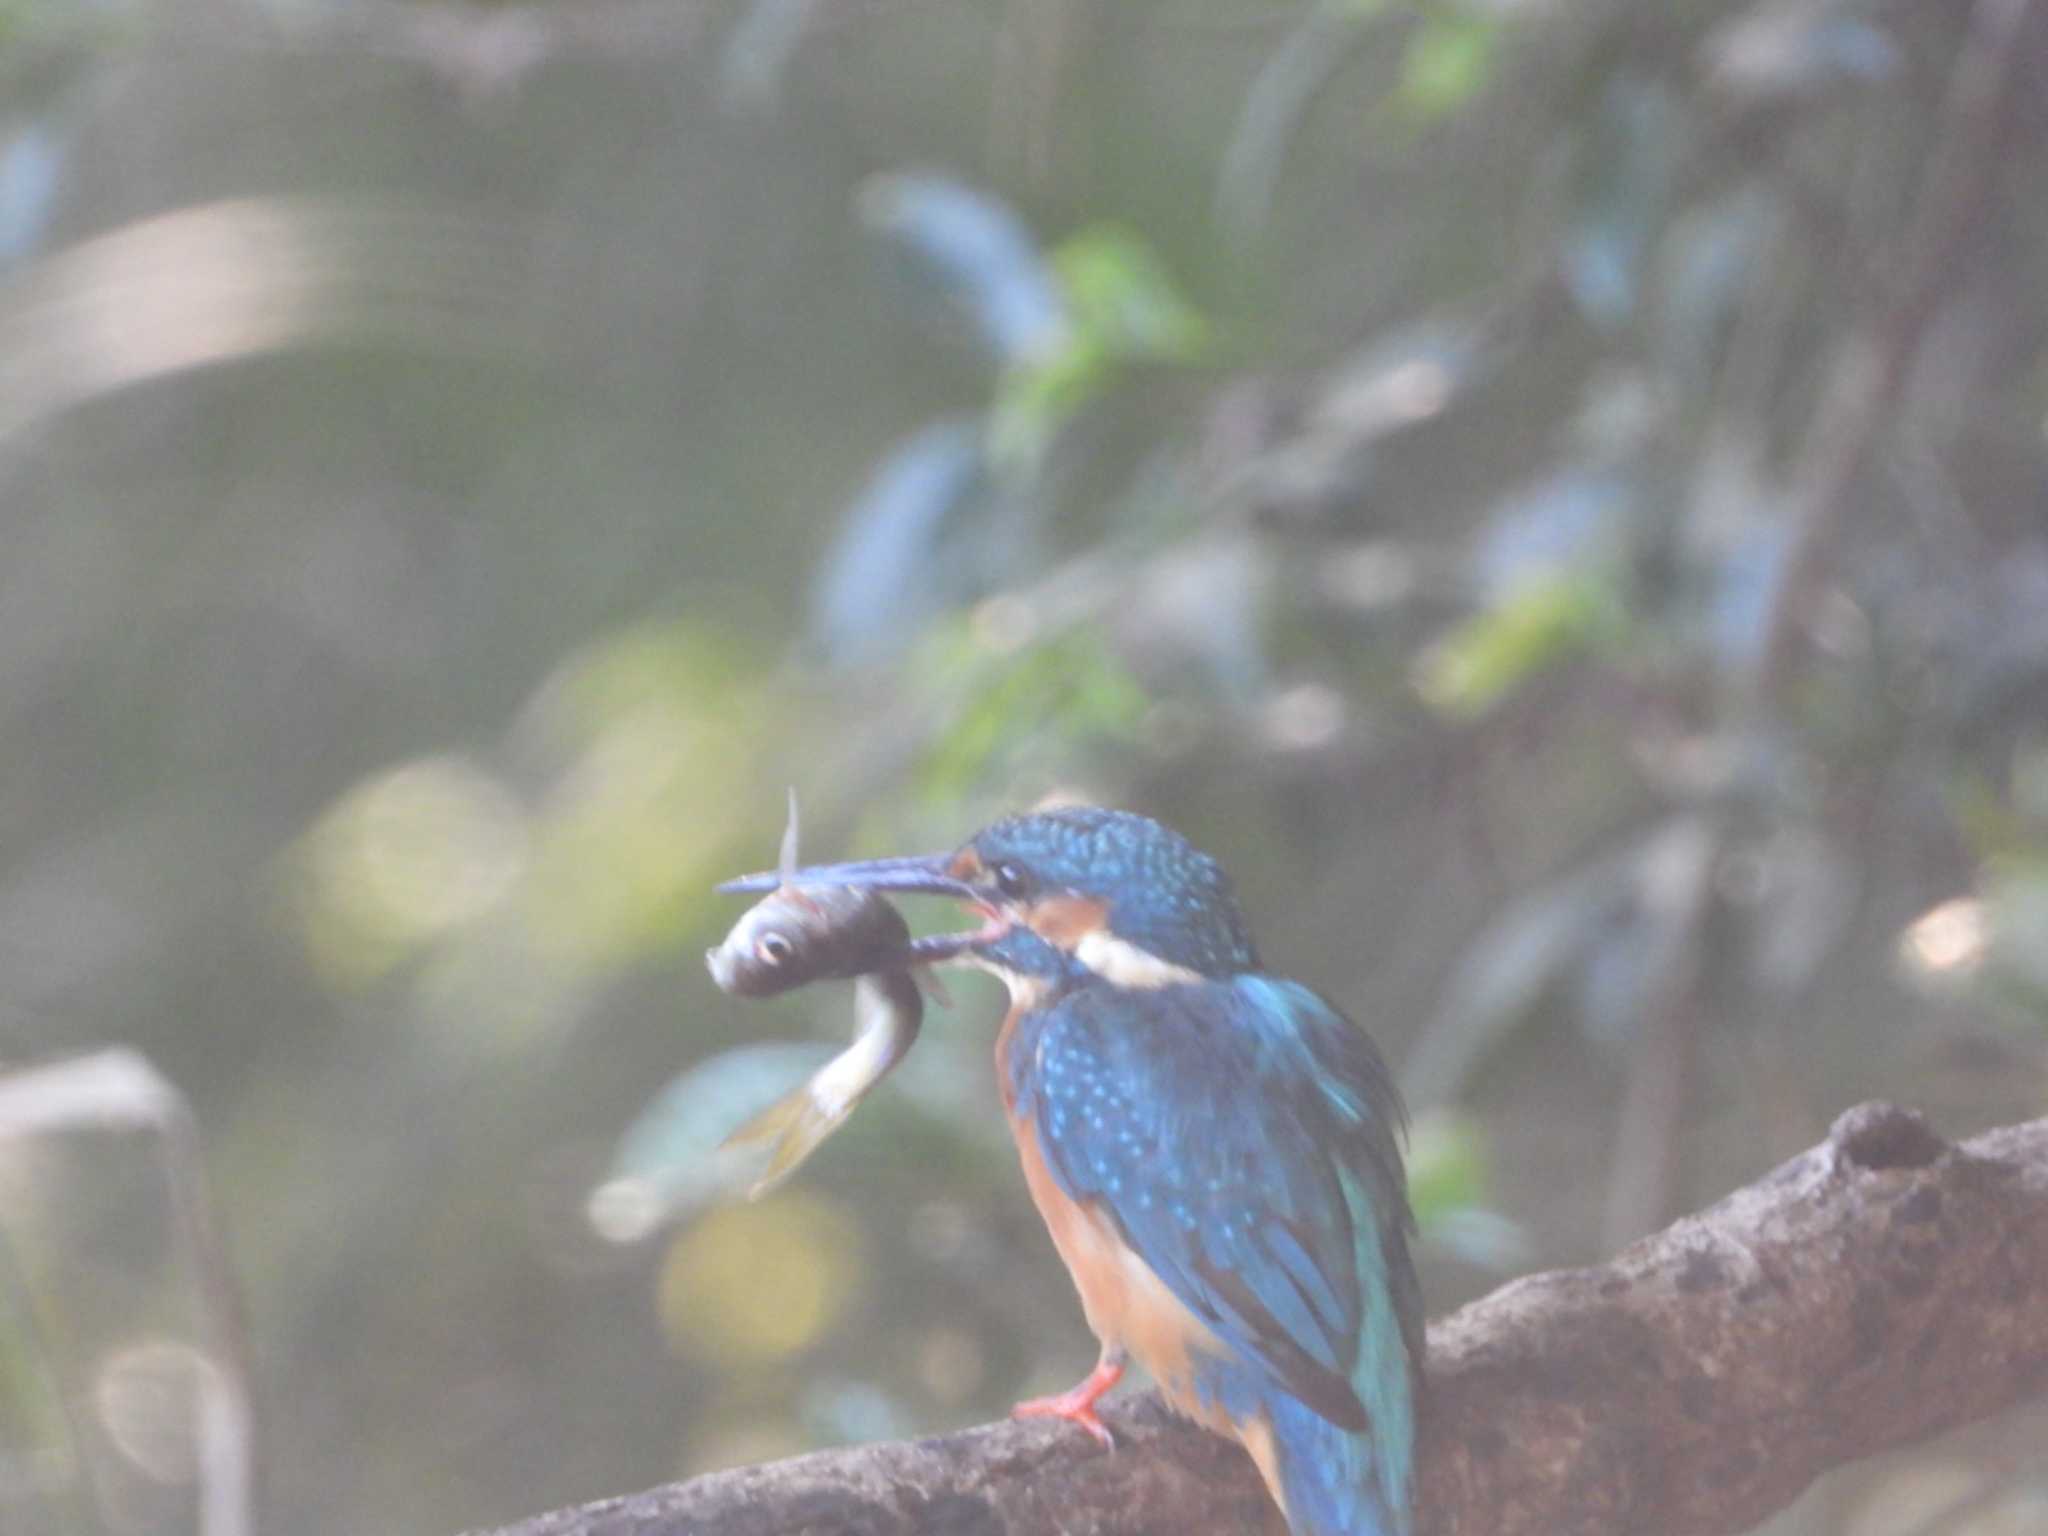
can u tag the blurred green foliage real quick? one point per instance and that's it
(1121, 309)
(1446, 61)
(1540, 625)
(464, 463)
(1030, 712)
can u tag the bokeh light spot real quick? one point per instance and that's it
(757, 1283)
(406, 857)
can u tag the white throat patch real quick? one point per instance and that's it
(1126, 965)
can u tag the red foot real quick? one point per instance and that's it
(1078, 1405)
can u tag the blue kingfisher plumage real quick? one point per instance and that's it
(1214, 1149)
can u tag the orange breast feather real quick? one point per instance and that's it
(1125, 1302)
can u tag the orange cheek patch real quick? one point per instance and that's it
(1066, 920)
(965, 865)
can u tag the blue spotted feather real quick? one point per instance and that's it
(1242, 1135)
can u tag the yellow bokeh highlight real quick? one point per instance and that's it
(403, 859)
(655, 748)
(753, 1284)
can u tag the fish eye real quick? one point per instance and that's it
(1011, 878)
(773, 949)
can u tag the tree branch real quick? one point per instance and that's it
(1875, 1291)
(1991, 73)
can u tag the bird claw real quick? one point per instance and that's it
(1075, 1407)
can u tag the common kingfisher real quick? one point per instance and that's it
(1215, 1150)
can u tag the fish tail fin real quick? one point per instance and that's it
(928, 979)
(793, 1126)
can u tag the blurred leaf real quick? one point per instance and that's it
(1201, 602)
(1482, 1238)
(1448, 61)
(1600, 936)
(1446, 1164)
(1401, 377)
(1124, 307)
(1032, 403)
(922, 537)
(1447, 1187)
(1504, 975)
(1644, 933)
(1742, 591)
(2030, 782)
(1068, 691)
(1122, 297)
(837, 1411)
(670, 1162)
(1790, 48)
(1625, 177)
(1806, 895)
(1290, 79)
(756, 59)
(1506, 972)
(2017, 903)
(2000, 651)
(1710, 260)
(1574, 521)
(1541, 624)
(1622, 958)
(966, 256)
(31, 164)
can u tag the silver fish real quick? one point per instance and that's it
(795, 935)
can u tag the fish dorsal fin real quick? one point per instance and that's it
(787, 865)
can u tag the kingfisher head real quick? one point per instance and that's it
(1081, 894)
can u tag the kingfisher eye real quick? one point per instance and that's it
(773, 949)
(1010, 878)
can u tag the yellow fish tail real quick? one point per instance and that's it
(794, 1124)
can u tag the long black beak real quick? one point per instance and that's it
(919, 875)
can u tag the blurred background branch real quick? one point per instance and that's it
(117, 1091)
(1873, 363)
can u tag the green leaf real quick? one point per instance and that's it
(1034, 400)
(1124, 300)
(1449, 60)
(1064, 693)
(1123, 307)
(1539, 624)
(1446, 1164)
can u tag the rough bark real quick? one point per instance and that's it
(1876, 1290)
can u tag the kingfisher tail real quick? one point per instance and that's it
(1334, 1481)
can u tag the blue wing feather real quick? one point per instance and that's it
(1242, 1135)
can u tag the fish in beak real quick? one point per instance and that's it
(925, 874)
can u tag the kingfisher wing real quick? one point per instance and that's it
(1242, 1136)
